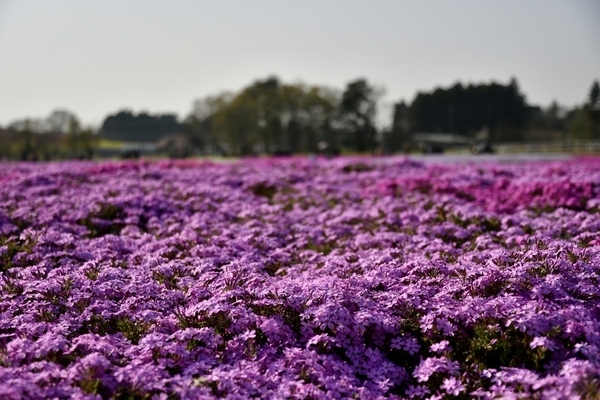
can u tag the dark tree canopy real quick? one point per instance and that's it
(594, 97)
(357, 115)
(398, 137)
(593, 110)
(143, 127)
(267, 116)
(467, 109)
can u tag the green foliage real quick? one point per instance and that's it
(15, 246)
(589, 389)
(289, 315)
(593, 110)
(58, 136)
(92, 272)
(91, 386)
(10, 286)
(106, 220)
(46, 315)
(219, 321)
(127, 393)
(212, 385)
(325, 247)
(358, 167)
(126, 126)
(489, 346)
(273, 267)
(170, 281)
(491, 224)
(264, 190)
(398, 137)
(80, 142)
(131, 329)
(265, 117)
(60, 358)
(468, 109)
(357, 115)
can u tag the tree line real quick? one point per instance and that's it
(58, 136)
(273, 117)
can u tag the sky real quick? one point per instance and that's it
(97, 57)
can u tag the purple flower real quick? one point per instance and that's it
(417, 391)
(440, 347)
(453, 386)
(434, 365)
(542, 342)
(291, 279)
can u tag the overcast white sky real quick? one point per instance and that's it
(95, 57)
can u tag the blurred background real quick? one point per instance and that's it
(105, 79)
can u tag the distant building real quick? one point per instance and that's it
(175, 145)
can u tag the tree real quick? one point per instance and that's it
(74, 136)
(59, 120)
(594, 97)
(398, 137)
(80, 141)
(357, 115)
(208, 106)
(593, 110)
(143, 127)
(199, 125)
(315, 117)
(466, 110)
(268, 116)
(584, 122)
(547, 123)
(33, 125)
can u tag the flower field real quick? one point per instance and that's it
(350, 278)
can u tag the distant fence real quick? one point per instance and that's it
(554, 146)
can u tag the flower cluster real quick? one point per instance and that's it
(347, 278)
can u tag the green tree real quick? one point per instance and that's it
(580, 124)
(308, 115)
(126, 126)
(593, 110)
(398, 136)
(73, 133)
(584, 122)
(547, 123)
(58, 120)
(357, 115)
(468, 109)
(268, 116)
(199, 125)
(80, 141)
(28, 147)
